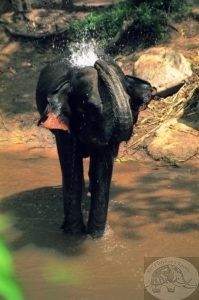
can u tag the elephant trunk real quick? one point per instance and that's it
(119, 102)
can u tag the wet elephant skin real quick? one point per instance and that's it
(95, 108)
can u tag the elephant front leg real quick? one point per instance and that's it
(73, 182)
(100, 173)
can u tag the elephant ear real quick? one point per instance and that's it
(57, 113)
(52, 121)
(140, 90)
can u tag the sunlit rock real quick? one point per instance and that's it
(164, 68)
(175, 141)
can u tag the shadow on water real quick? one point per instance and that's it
(165, 197)
(37, 217)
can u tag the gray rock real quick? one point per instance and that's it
(175, 141)
(164, 68)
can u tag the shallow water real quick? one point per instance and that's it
(153, 213)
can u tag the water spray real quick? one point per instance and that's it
(84, 53)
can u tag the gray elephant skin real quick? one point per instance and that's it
(90, 110)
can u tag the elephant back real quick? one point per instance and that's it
(52, 76)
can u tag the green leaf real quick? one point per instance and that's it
(9, 290)
(5, 259)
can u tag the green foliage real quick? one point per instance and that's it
(150, 19)
(168, 6)
(9, 289)
(102, 26)
(149, 25)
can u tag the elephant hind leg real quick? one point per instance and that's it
(73, 182)
(100, 173)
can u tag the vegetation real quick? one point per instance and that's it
(102, 26)
(148, 19)
(9, 288)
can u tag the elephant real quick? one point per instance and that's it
(169, 276)
(90, 111)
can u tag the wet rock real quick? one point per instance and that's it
(164, 68)
(175, 141)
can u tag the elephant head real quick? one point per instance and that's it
(52, 95)
(141, 93)
(90, 101)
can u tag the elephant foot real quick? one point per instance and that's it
(96, 234)
(73, 229)
(97, 222)
(96, 231)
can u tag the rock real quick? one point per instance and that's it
(164, 68)
(40, 23)
(191, 110)
(175, 141)
(195, 13)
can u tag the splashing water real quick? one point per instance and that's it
(84, 53)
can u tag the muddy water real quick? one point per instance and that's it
(153, 213)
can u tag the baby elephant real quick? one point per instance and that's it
(90, 110)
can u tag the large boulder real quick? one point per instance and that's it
(175, 141)
(164, 68)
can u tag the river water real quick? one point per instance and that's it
(153, 212)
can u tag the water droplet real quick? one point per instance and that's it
(83, 53)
